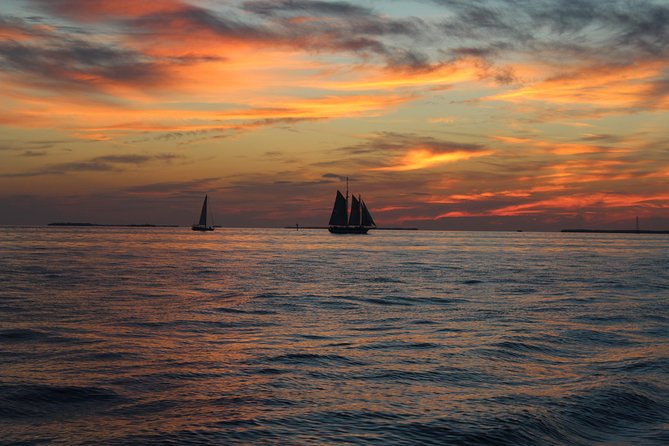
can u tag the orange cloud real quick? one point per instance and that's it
(421, 158)
(104, 121)
(103, 10)
(608, 204)
(10, 32)
(557, 148)
(324, 107)
(600, 85)
(574, 149)
(488, 195)
(391, 209)
(584, 171)
(371, 78)
(569, 204)
(171, 88)
(444, 120)
(512, 139)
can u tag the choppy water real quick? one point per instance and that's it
(166, 336)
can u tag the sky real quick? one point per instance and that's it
(444, 114)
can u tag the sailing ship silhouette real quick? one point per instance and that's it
(202, 224)
(358, 221)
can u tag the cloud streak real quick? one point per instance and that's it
(420, 158)
(105, 163)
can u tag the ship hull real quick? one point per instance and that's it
(348, 230)
(202, 228)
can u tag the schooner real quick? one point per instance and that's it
(357, 221)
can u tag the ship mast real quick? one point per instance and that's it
(347, 194)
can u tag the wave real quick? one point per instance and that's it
(30, 400)
(241, 311)
(399, 345)
(442, 376)
(598, 337)
(159, 338)
(18, 335)
(385, 280)
(606, 412)
(312, 359)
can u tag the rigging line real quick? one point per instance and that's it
(212, 215)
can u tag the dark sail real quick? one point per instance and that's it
(367, 219)
(354, 219)
(339, 212)
(203, 214)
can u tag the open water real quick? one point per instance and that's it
(167, 336)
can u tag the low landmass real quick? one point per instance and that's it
(616, 231)
(144, 225)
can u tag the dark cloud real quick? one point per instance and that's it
(105, 163)
(339, 20)
(548, 30)
(271, 8)
(136, 159)
(76, 64)
(53, 57)
(334, 176)
(601, 137)
(554, 28)
(644, 25)
(195, 135)
(198, 185)
(388, 142)
(410, 60)
(188, 59)
(230, 130)
(656, 93)
(327, 27)
(33, 153)
(486, 51)
(13, 27)
(33, 148)
(194, 20)
(8, 148)
(317, 26)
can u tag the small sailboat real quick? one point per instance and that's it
(358, 221)
(202, 224)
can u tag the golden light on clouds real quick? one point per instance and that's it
(371, 78)
(419, 158)
(256, 101)
(614, 85)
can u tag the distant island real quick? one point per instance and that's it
(637, 230)
(145, 225)
(616, 231)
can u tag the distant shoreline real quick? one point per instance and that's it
(145, 225)
(149, 225)
(615, 231)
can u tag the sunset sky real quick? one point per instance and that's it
(445, 114)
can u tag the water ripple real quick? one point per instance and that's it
(117, 336)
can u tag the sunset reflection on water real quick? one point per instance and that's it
(115, 335)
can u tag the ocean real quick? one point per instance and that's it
(127, 336)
